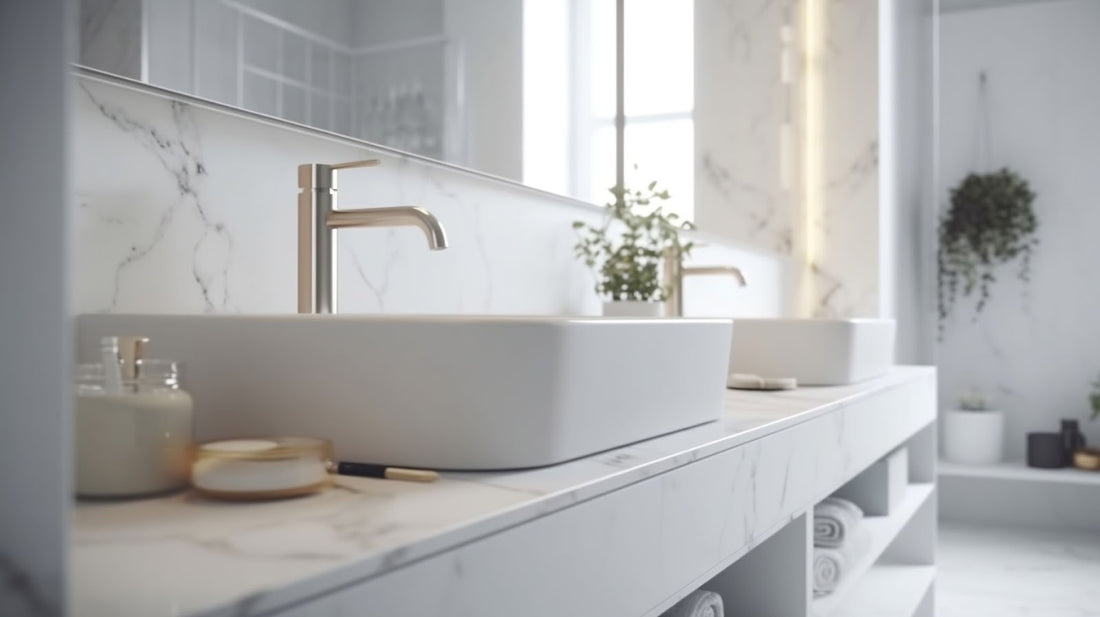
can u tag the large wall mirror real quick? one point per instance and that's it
(521, 89)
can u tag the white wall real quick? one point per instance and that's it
(907, 188)
(37, 40)
(1035, 346)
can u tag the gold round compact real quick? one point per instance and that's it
(1087, 458)
(247, 469)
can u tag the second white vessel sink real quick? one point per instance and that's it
(439, 392)
(816, 352)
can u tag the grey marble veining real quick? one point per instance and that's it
(178, 149)
(742, 105)
(845, 271)
(751, 139)
(364, 528)
(189, 209)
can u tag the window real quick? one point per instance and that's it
(570, 64)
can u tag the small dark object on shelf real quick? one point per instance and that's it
(1072, 439)
(1045, 451)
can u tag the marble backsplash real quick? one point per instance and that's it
(751, 142)
(746, 120)
(850, 228)
(183, 207)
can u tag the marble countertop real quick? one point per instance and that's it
(184, 555)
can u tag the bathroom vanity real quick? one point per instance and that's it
(627, 532)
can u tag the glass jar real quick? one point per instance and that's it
(132, 436)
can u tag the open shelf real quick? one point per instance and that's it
(882, 530)
(1019, 471)
(888, 590)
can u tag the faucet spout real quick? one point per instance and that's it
(400, 216)
(733, 271)
(675, 271)
(319, 218)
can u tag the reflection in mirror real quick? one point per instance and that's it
(521, 89)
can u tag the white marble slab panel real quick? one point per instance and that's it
(850, 228)
(184, 208)
(746, 108)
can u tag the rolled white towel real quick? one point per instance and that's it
(699, 603)
(831, 565)
(834, 518)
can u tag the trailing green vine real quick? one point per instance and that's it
(628, 267)
(990, 223)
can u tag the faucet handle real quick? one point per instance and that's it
(366, 163)
(319, 176)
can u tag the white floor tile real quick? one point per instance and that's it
(1010, 572)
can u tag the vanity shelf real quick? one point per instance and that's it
(1019, 471)
(890, 590)
(626, 532)
(867, 577)
(1011, 493)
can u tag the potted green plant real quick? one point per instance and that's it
(973, 433)
(990, 222)
(625, 250)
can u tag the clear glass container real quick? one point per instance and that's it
(263, 468)
(133, 433)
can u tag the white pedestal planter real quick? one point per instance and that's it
(973, 437)
(632, 308)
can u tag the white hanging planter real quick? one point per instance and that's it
(973, 437)
(632, 308)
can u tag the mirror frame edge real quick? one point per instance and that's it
(80, 71)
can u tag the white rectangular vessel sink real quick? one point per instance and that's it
(439, 392)
(816, 352)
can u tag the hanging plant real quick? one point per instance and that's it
(990, 223)
(628, 267)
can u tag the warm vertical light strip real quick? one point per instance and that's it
(812, 126)
(813, 36)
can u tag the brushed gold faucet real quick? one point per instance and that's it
(674, 278)
(318, 220)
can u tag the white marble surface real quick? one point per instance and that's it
(849, 228)
(988, 571)
(214, 558)
(746, 178)
(751, 142)
(188, 209)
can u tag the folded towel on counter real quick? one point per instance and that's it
(699, 603)
(831, 565)
(834, 518)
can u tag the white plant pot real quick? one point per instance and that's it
(973, 437)
(632, 308)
